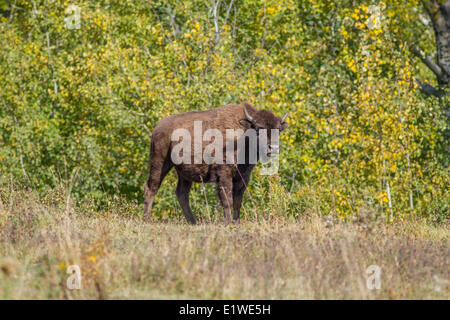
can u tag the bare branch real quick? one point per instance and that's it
(228, 12)
(437, 70)
(216, 21)
(429, 90)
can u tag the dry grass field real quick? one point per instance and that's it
(121, 257)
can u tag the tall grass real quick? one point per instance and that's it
(311, 257)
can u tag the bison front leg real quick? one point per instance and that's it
(182, 192)
(225, 191)
(239, 186)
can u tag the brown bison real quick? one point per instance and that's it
(199, 162)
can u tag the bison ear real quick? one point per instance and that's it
(245, 123)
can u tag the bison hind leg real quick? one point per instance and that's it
(158, 170)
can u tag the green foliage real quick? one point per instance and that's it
(79, 105)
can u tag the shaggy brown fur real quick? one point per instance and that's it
(231, 179)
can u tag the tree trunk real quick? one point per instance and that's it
(439, 13)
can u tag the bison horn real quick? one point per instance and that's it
(249, 117)
(284, 117)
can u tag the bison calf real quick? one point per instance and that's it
(228, 160)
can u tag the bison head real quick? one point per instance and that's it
(265, 119)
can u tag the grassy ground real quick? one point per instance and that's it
(121, 257)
